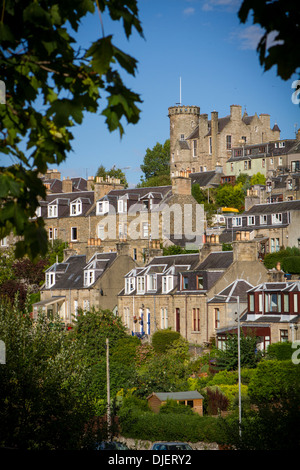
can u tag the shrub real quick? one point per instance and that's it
(291, 265)
(280, 351)
(171, 406)
(217, 401)
(163, 338)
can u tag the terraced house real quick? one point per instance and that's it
(173, 291)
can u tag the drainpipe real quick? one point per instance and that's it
(185, 316)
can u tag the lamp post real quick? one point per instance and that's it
(237, 298)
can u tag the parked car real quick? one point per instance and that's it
(111, 445)
(171, 446)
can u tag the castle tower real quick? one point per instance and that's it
(183, 121)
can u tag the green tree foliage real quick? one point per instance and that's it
(282, 19)
(272, 259)
(114, 173)
(171, 406)
(274, 380)
(280, 351)
(43, 402)
(228, 358)
(258, 178)
(51, 82)
(156, 161)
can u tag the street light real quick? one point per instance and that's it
(239, 354)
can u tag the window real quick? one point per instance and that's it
(89, 277)
(76, 207)
(181, 137)
(295, 303)
(50, 280)
(126, 316)
(286, 303)
(260, 302)
(122, 231)
(86, 305)
(151, 282)
(217, 318)
(228, 142)
(134, 254)
(263, 163)
(276, 219)
(122, 205)
(74, 234)
(210, 146)
(280, 161)
(102, 207)
(251, 220)
(194, 148)
(52, 210)
(199, 282)
(163, 318)
(129, 285)
(273, 302)
(263, 219)
(185, 282)
(196, 319)
(38, 211)
(167, 284)
(140, 284)
(236, 221)
(75, 308)
(284, 337)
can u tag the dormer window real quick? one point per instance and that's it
(263, 219)
(76, 207)
(276, 219)
(89, 277)
(122, 205)
(102, 207)
(185, 282)
(52, 210)
(251, 220)
(167, 284)
(141, 285)
(151, 282)
(50, 280)
(129, 285)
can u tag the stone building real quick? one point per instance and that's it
(105, 214)
(173, 291)
(200, 144)
(80, 282)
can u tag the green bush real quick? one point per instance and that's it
(280, 351)
(163, 338)
(171, 406)
(169, 427)
(291, 265)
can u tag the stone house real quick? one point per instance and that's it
(189, 398)
(172, 292)
(272, 314)
(274, 225)
(101, 216)
(200, 144)
(82, 283)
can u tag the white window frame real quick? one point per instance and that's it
(235, 221)
(101, 232)
(251, 220)
(129, 285)
(50, 280)
(152, 282)
(52, 210)
(145, 228)
(89, 277)
(141, 284)
(102, 207)
(86, 305)
(122, 206)
(263, 219)
(167, 284)
(163, 318)
(277, 218)
(76, 207)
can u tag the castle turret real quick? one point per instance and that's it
(183, 121)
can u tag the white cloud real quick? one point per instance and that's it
(209, 5)
(189, 11)
(248, 37)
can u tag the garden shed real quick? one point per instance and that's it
(190, 398)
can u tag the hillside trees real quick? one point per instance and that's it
(50, 84)
(156, 165)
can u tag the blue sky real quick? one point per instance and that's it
(201, 41)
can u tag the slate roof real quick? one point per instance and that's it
(206, 177)
(273, 208)
(217, 260)
(239, 287)
(70, 274)
(189, 395)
